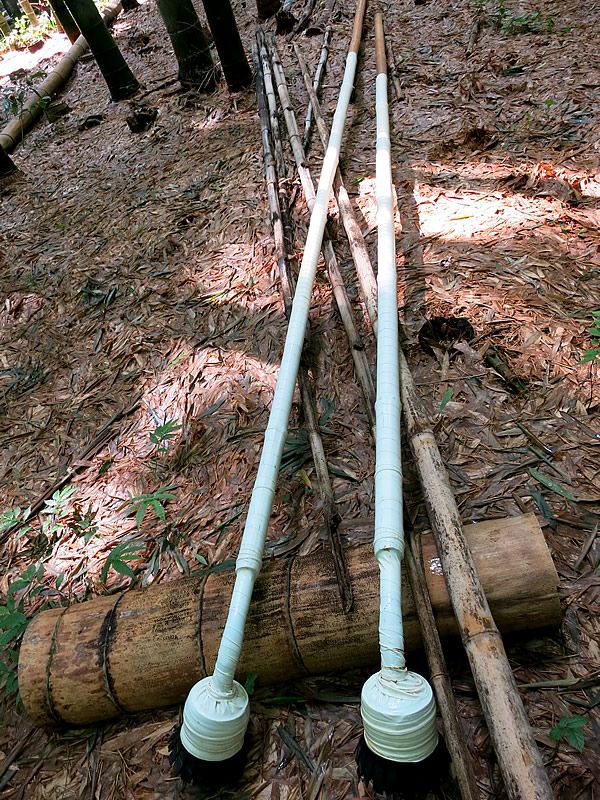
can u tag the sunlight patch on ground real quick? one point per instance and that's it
(56, 44)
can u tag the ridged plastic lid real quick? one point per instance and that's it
(214, 723)
(399, 716)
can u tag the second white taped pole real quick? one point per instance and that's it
(397, 705)
(215, 715)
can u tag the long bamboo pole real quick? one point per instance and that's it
(216, 712)
(4, 26)
(12, 134)
(31, 15)
(319, 73)
(455, 738)
(279, 211)
(519, 759)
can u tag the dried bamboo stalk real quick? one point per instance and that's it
(12, 134)
(439, 674)
(320, 71)
(357, 349)
(360, 254)
(392, 68)
(267, 107)
(520, 762)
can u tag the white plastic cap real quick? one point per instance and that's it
(214, 722)
(399, 716)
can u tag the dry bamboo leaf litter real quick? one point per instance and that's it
(144, 262)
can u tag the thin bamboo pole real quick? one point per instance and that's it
(279, 211)
(357, 349)
(320, 71)
(12, 134)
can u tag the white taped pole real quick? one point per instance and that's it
(397, 706)
(217, 705)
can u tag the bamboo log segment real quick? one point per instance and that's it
(145, 649)
(12, 134)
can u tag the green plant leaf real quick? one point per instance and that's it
(250, 681)
(575, 738)
(550, 484)
(446, 398)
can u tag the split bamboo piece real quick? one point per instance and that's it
(518, 756)
(12, 134)
(278, 203)
(145, 648)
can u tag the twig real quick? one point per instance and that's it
(361, 364)
(15, 752)
(392, 68)
(586, 547)
(316, 85)
(278, 204)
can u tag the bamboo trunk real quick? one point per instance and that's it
(228, 43)
(196, 68)
(12, 8)
(12, 134)
(4, 26)
(65, 19)
(119, 78)
(145, 649)
(7, 166)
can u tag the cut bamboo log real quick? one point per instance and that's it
(144, 649)
(12, 134)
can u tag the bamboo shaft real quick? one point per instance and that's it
(31, 15)
(4, 26)
(255, 530)
(320, 72)
(12, 134)
(146, 648)
(360, 254)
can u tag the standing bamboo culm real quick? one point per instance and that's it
(12, 8)
(119, 78)
(279, 206)
(4, 26)
(7, 166)
(65, 18)
(31, 15)
(196, 68)
(228, 43)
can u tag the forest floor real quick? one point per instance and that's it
(138, 287)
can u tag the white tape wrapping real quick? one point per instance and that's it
(214, 722)
(399, 717)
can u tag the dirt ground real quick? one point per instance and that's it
(139, 286)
